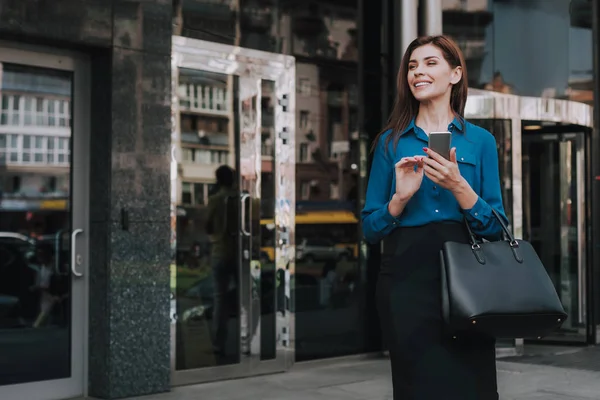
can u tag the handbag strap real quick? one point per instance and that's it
(505, 230)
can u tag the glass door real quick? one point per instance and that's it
(554, 219)
(232, 214)
(43, 231)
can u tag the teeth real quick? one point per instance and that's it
(421, 84)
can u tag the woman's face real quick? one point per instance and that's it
(429, 75)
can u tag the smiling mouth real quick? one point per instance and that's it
(421, 84)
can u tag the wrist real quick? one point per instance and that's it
(462, 187)
(397, 204)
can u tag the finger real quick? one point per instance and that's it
(431, 177)
(433, 163)
(405, 161)
(453, 155)
(436, 156)
(432, 173)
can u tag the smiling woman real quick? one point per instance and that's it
(416, 201)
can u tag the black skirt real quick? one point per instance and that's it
(428, 363)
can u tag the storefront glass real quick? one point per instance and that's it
(326, 282)
(539, 48)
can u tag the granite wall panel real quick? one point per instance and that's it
(82, 22)
(143, 25)
(141, 118)
(138, 303)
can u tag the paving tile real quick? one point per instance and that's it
(370, 380)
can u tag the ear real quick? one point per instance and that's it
(456, 75)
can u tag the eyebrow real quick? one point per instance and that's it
(426, 58)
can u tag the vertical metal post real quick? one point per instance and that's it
(433, 17)
(594, 182)
(409, 24)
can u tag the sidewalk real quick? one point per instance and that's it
(369, 380)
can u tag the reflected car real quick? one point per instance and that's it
(316, 249)
(197, 302)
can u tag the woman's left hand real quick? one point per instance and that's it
(444, 173)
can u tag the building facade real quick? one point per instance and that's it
(125, 269)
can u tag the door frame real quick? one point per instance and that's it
(248, 64)
(578, 138)
(485, 104)
(57, 59)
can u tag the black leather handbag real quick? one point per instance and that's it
(498, 288)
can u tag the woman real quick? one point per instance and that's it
(417, 200)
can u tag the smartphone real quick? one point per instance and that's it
(440, 143)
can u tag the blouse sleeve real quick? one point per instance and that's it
(377, 221)
(480, 216)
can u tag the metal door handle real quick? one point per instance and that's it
(75, 259)
(244, 228)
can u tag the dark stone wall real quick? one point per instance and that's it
(128, 43)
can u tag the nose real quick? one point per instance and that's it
(418, 71)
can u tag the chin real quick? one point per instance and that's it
(426, 97)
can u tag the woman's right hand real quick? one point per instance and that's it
(409, 175)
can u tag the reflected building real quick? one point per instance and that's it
(34, 140)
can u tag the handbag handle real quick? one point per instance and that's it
(506, 231)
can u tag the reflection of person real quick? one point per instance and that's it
(498, 85)
(194, 256)
(223, 249)
(327, 282)
(416, 200)
(43, 261)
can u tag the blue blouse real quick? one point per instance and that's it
(477, 158)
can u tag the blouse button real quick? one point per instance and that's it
(437, 210)
(476, 214)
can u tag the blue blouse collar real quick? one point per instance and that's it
(456, 124)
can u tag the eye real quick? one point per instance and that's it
(411, 66)
(431, 63)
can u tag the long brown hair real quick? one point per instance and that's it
(406, 106)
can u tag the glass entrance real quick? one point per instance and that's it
(554, 218)
(43, 232)
(232, 215)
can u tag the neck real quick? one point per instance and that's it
(435, 115)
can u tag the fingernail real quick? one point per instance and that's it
(425, 149)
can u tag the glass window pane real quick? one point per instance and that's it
(28, 104)
(13, 141)
(35, 296)
(208, 334)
